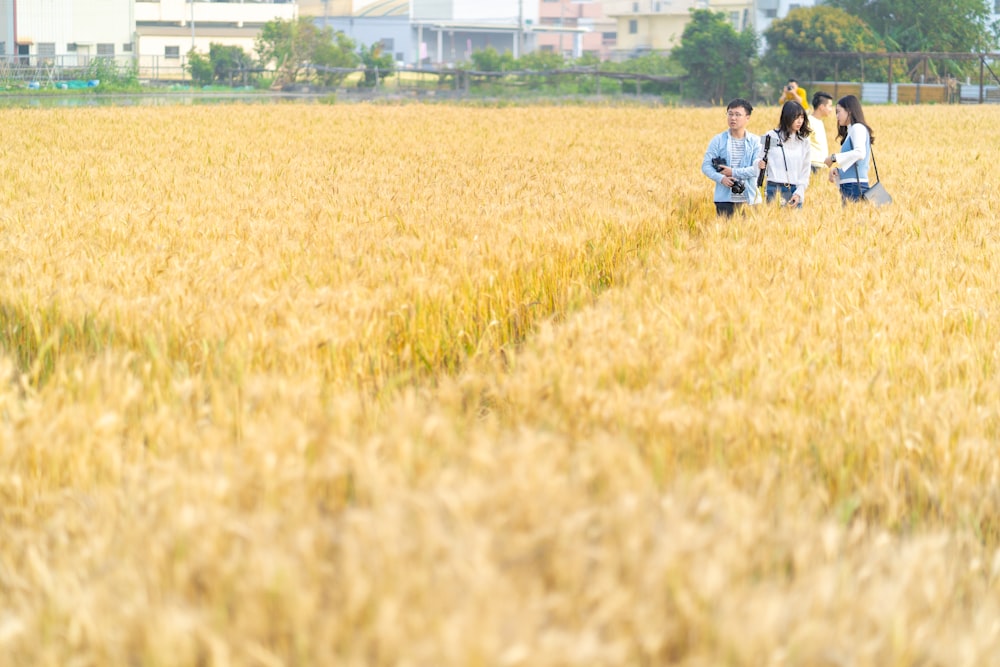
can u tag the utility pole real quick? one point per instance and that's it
(520, 28)
(192, 25)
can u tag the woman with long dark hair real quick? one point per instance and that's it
(788, 165)
(849, 167)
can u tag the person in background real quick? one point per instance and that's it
(792, 93)
(731, 161)
(788, 158)
(856, 139)
(822, 105)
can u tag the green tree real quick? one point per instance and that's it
(332, 56)
(653, 64)
(377, 64)
(293, 47)
(797, 44)
(539, 61)
(199, 67)
(923, 25)
(228, 62)
(489, 60)
(718, 60)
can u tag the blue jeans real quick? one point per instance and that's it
(784, 191)
(726, 209)
(852, 191)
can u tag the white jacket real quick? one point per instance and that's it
(788, 162)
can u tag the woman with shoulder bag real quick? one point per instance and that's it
(849, 167)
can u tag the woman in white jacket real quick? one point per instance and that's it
(788, 162)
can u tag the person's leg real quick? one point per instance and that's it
(724, 208)
(770, 192)
(850, 192)
(786, 193)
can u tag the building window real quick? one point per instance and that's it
(46, 49)
(105, 49)
(127, 47)
(771, 13)
(635, 7)
(633, 27)
(609, 37)
(71, 47)
(387, 43)
(793, 6)
(172, 52)
(3, 48)
(546, 48)
(996, 6)
(734, 20)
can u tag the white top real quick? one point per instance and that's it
(818, 145)
(858, 134)
(788, 162)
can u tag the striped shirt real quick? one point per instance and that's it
(737, 148)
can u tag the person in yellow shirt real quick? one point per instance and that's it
(819, 148)
(792, 93)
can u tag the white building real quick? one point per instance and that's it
(766, 11)
(450, 30)
(166, 30)
(72, 30)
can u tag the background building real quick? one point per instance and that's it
(646, 26)
(575, 27)
(432, 31)
(66, 31)
(367, 22)
(766, 11)
(166, 30)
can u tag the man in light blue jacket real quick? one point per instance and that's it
(731, 161)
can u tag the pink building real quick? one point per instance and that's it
(575, 27)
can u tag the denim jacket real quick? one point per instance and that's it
(746, 171)
(852, 160)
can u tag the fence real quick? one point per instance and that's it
(50, 71)
(904, 78)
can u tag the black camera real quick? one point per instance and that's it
(788, 87)
(738, 187)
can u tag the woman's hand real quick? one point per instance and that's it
(834, 175)
(794, 200)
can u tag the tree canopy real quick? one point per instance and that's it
(797, 43)
(292, 46)
(718, 60)
(921, 25)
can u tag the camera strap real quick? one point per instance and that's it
(784, 158)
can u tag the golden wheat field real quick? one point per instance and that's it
(439, 385)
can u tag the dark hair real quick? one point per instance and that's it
(740, 102)
(820, 97)
(789, 112)
(793, 81)
(852, 105)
